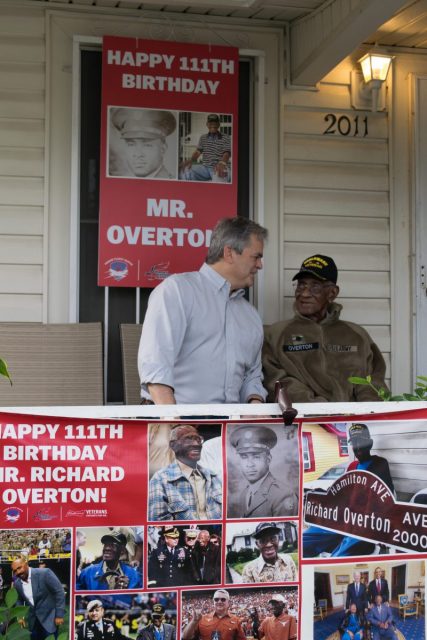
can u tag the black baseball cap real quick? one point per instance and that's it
(263, 527)
(320, 267)
(213, 117)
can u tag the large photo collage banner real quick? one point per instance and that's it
(213, 530)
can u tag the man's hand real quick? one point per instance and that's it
(121, 582)
(221, 169)
(196, 614)
(350, 633)
(59, 621)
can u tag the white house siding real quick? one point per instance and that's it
(22, 113)
(336, 200)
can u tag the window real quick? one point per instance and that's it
(121, 304)
(343, 447)
(307, 452)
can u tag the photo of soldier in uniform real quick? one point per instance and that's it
(174, 560)
(262, 471)
(142, 143)
(146, 616)
(112, 559)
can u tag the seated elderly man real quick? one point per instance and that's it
(315, 353)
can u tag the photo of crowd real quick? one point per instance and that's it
(35, 543)
(180, 556)
(109, 558)
(252, 613)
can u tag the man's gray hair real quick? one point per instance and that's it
(234, 233)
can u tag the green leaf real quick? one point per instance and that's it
(11, 597)
(410, 396)
(422, 378)
(396, 398)
(16, 632)
(384, 394)
(4, 371)
(357, 380)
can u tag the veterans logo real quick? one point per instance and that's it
(96, 513)
(158, 271)
(118, 268)
(12, 514)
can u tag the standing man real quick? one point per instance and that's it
(378, 586)
(357, 594)
(184, 490)
(264, 495)
(158, 629)
(201, 340)
(215, 149)
(315, 353)
(96, 627)
(206, 559)
(270, 566)
(381, 619)
(168, 565)
(111, 572)
(218, 625)
(42, 591)
(279, 626)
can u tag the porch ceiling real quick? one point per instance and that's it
(321, 32)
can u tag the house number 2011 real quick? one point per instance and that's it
(345, 126)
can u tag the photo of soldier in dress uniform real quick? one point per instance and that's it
(173, 562)
(262, 470)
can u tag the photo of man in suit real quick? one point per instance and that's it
(357, 594)
(41, 590)
(158, 629)
(381, 619)
(378, 586)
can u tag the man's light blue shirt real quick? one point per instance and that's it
(201, 341)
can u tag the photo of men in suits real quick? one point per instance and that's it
(357, 594)
(378, 586)
(42, 591)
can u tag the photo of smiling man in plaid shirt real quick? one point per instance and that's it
(184, 490)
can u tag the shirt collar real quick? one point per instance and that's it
(186, 470)
(261, 562)
(218, 282)
(256, 485)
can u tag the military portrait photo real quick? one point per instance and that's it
(147, 616)
(180, 556)
(142, 143)
(262, 470)
(185, 466)
(36, 582)
(111, 558)
(262, 552)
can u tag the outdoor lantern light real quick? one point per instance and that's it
(375, 68)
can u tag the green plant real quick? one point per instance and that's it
(419, 393)
(4, 371)
(10, 615)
